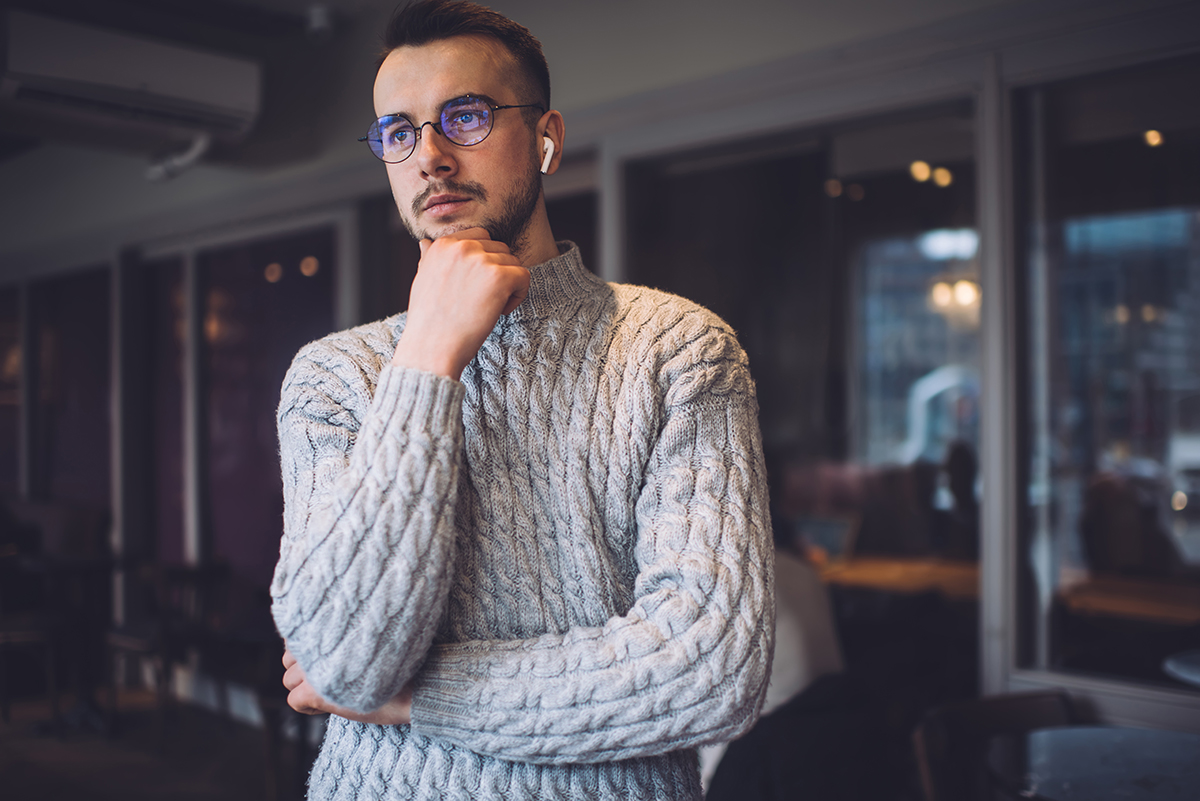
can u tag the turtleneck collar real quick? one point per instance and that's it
(557, 285)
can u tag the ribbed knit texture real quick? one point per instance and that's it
(568, 551)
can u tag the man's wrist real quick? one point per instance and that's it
(407, 355)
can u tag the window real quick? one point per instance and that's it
(10, 389)
(261, 303)
(1110, 555)
(70, 457)
(846, 259)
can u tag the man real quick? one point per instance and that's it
(526, 551)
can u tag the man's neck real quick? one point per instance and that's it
(539, 245)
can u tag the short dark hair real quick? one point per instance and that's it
(424, 21)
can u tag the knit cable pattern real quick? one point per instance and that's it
(568, 551)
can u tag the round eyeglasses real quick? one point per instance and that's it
(465, 121)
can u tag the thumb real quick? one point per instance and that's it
(424, 244)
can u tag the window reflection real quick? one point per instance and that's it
(1113, 224)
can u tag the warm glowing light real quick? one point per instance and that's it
(273, 272)
(1121, 313)
(1149, 313)
(943, 177)
(1153, 138)
(941, 294)
(855, 192)
(1179, 501)
(920, 171)
(966, 292)
(833, 187)
(309, 266)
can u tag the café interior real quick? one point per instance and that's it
(959, 241)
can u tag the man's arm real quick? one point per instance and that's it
(688, 663)
(365, 562)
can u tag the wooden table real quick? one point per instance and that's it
(1163, 602)
(1097, 763)
(956, 579)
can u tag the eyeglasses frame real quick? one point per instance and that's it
(437, 126)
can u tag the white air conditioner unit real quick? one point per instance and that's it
(89, 80)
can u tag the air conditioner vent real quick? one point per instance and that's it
(75, 74)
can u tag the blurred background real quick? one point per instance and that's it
(959, 240)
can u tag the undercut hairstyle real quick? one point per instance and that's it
(426, 21)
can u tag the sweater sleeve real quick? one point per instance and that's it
(365, 562)
(688, 664)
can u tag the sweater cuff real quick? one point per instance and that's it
(437, 708)
(427, 401)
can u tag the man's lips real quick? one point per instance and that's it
(440, 205)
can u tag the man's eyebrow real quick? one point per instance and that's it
(473, 95)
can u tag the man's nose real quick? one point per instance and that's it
(435, 154)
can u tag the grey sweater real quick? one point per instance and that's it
(568, 552)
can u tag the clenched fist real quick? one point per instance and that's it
(464, 282)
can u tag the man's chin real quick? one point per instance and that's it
(437, 232)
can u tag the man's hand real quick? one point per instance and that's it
(303, 698)
(464, 282)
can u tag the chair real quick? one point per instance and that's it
(178, 602)
(950, 742)
(27, 614)
(39, 627)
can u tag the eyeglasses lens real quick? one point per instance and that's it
(392, 138)
(466, 121)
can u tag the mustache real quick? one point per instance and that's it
(449, 186)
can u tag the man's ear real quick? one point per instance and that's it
(553, 131)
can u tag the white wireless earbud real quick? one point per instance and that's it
(548, 149)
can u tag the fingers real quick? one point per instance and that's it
(516, 299)
(288, 659)
(305, 700)
(294, 676)
(424, 245)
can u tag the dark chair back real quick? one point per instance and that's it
(951, 740)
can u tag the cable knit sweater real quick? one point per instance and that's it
(568, 552)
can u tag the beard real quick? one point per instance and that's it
(510, 225)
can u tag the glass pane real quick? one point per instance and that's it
(262, 302)
(10, 388)
(1112, 584)
(166, 386)
(831, 253)
(71, 432)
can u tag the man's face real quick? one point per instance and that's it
(442, 187)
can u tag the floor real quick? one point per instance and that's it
(200, 756)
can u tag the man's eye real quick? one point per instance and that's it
(464, 118)
(399, 135)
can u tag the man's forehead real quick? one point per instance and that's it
(420, 77)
